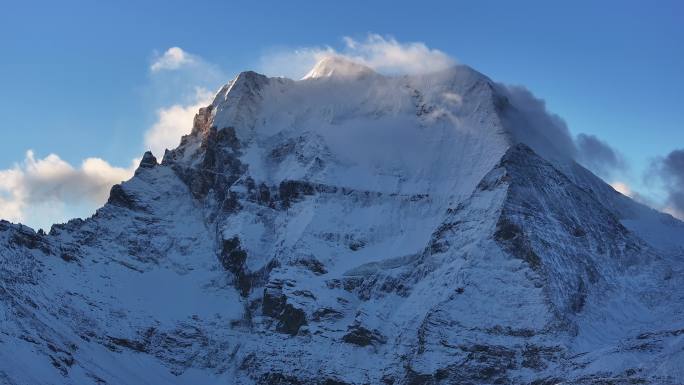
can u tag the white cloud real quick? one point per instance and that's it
(178, 95)
(10, 206)
(599, 156)
(668, 171)
(174, 122)
(622, 188)
(383, 54)
(172, 59)
(389, 56)
(42, 191)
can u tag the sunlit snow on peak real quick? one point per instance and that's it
(338, 67)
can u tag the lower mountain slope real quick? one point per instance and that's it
(147, 291)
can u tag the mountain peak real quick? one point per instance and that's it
(338, 67)
(419, 222)
(148, 160)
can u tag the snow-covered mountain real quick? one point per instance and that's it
(351, 228)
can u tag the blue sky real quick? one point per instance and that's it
(76, 77)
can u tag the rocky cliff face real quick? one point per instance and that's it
(350, 228)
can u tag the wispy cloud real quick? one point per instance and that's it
(387, 55)
(547, 133)
(383, 54)
(172, 59)
(599, 156)
(669, 171)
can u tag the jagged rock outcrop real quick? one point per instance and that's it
(148, 160)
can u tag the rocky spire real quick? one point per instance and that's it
(148, 160)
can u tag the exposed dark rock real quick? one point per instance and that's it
(287, 379)
(279, 153)
(326, 313)
(68, 255)
(119, 197)
(438, 241)
(291, 191)
(508, 331)
(232, 256)
(280, 379)
(60, 365)
(217, 169)
(547, 381)
(304, 293)
(220, 166)
(579, 298)
(578, 232)
(312, 264)
(511, 236)
(233, 259)
(673, 333)
(484, 364)
(361, 336)
(355, 245)
(264, 196)
(61, 359)
(274, 300)
(291, 319)
(608, 379)
(148, 160)
(202, 120)
(536, 357)
(414, 378)
(333, 381)
(24, 237)
(127, 343)
(71, 225)
(379, 285)
(275, 305)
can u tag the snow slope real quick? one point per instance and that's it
(351, 228)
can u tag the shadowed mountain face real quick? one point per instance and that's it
(351, 228)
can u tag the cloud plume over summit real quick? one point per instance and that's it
(382, 54)
(599, 155)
